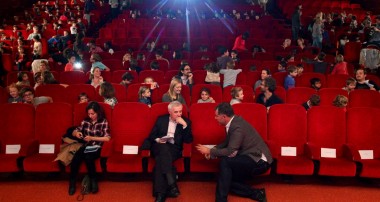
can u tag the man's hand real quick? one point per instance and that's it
(180, 120)
(203, 150)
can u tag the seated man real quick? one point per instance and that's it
(28, 97)
(267, 96)
(166, 139)
(362, 83)
(242, 154)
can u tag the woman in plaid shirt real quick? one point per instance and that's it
(94, 130)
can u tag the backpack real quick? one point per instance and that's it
(85, 189)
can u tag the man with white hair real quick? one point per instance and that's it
(166, 139)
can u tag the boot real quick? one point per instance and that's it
(72, 187)
(94, 186)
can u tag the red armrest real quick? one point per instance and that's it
(29, 148)
(351, 152)
(274, 148)
(312, 151)
(187, 149)
(107, 149)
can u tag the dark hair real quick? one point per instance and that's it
(127, 76)
(321, 56)
(20, 75)
(235, 91)
(245, 35)
(314, 80)
(268, 71)
(83, 94)
(315, 100)
(270, 83)
(178, 55)
(97, 109)
(225, 108)
(204, 89)
(222, 49)
(182, 68)
(159, 52)
(364, 71)
(26, 89)
(234, 51)
(154, 65)
(212, 67)
(48, 77)
(107, 90)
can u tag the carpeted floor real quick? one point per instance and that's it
(301, 189)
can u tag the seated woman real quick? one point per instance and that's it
(94, 130)
(96, 61)
(95, 77)
(107, 91)
(174, 92)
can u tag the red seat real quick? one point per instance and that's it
(252, 77)
(304, 79)
(169, 76)
(73, 77)
(116, 76)
(363, 134)
(352, 51)
(120, 92)
(364, 98)
(128, 130)
(280, 92)
(7, 60)
(249, 96)
(215, 91)
(327, 130)
(199, 64)
(113, 64)
(299, 95)
(245, 65)
(287, 128)
(280, 78)
(17, 128)
(337, 80)
(105, 74)
(56, 91)
(157, 75)
(199, 76)
(73, 91)
(57, 123)
(327, 95)
(3, 95)
(202, 116)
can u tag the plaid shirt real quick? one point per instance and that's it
(97, 129)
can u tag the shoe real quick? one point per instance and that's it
(72, 187)
(94, 186)
(259, 195)
(160, 197)
(173, 191)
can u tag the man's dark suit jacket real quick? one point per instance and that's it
(242, 137)
(181, 135)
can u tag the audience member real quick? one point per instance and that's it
(83, 98)
(126, 79)
(265, 73)
(107, 91)
(239, 44)
(22, 79)
(151, 82)
(362, 83)
(222, 61)
(290, 82)
(28, 96)
(95, 77)
(144, 96)
(205, 96)
(267, 97)
(237, 95)
(185, 75)
(340, 101)
(174, 92)
(313, 101)
(14, 96)
(350, 85)
(340, 66)
(96, 61)
(94, 130)
(230, 74)
(315, 83)
(213, 75)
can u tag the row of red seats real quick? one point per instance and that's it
(297, 95)
(351, 142)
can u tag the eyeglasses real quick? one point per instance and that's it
(28, 94)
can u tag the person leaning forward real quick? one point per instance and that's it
(242, 154)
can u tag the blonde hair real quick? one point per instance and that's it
(142, 91)
(340, 101)
(173, 84)
(339, 58)
(235, 91)
(12, 85)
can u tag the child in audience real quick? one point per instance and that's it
(350, 85)
(230, 74)
(340, 101)
(313, 101)
(14, 94)
(83, 98)
(37, 80)
(153, 84)
(126, 79)
(213, 75)
(144, 96)
(22, 79)
(281, 67)
(316, 83)
(20, 58)
(290, 82)
(299, 69)
(237, 95)
(107, 91)
(205, 96)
